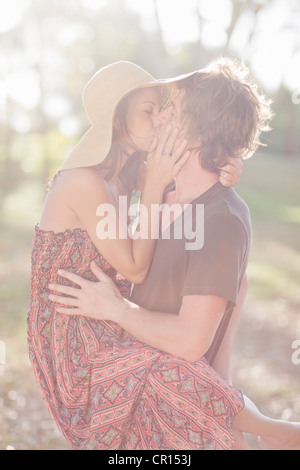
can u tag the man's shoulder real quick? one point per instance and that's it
(229, 208)
(233, 203)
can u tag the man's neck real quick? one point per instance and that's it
(191, 182)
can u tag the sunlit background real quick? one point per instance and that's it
(48, 51)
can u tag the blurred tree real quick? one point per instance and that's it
(238, 9)
(286, 124)
(9, 170)
(38, 13)
(162, 58)
(64, 43)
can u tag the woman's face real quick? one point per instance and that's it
(173, 113)
(141, 116)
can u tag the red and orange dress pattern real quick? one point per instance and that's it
(103, 387)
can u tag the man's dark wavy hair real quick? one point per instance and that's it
(224, 112)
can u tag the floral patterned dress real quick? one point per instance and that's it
(103, 387)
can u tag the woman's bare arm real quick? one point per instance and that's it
(93, 205)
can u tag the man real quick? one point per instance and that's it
(187, 300)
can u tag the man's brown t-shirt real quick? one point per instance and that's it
(217, 265)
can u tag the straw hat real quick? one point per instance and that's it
(101, 96)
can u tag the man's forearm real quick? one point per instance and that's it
(164, 331)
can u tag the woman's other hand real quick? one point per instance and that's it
(231, 173)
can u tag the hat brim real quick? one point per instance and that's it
(163, 81)
(95, 144)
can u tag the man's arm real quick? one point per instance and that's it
(187, 335)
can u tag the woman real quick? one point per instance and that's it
(90, 390)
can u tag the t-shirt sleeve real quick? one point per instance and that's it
(215, 269)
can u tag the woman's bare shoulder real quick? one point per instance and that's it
(81, 178)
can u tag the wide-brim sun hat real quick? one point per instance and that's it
(101, 96)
